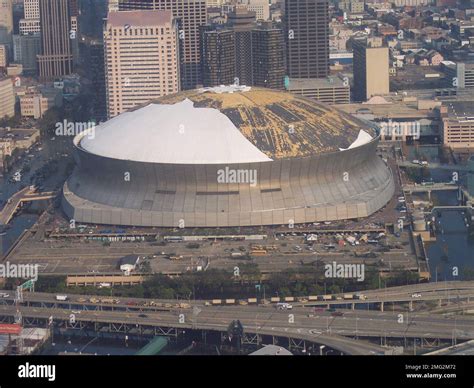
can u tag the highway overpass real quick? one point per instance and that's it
(261, 323)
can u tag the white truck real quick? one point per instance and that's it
(61, 298)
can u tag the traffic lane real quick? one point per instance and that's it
(251, 309)
(273, 321)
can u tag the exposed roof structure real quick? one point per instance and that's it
(225, 125)
(178, 133)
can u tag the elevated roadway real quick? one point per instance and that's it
(301, 323)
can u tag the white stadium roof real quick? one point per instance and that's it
(177, 134)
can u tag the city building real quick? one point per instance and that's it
(97, 73)
(3, 56)
(330, 90)
(460, 73)
(307, 35)
(268, 56)
(260, 7)
(31, 9)
(411, 3)
(14, 69)
(242, 23)
(352, 6)
(6, 23)
(32, 26)
(282, 164)
(458, 126)
(55, 59)
(15, 139)
(31, 21)
(251, 56)
(141, 58)
(415, 116)
(34, 103)
(26, 48)
(371, 68)
(218, 57)
(190, 14)
(7, 98)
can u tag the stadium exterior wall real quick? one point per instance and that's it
(332, 186)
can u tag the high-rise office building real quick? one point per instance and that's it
(190, 14)
(307, 36)
(371, 68)
(243, 22)
(268, 62)
(262, 55)
(141, 58)
(26, 48)
(56, 54)
(218, 57)
(6, 23)
(97, 73)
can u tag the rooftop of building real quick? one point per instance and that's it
(226, 125)
(461, 109)
(316, 83)
(393, 109)
(17, 133)
(143, 18)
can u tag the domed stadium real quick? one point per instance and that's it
(227, 156)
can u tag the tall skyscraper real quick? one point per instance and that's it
(190, 14)
(243, 22)
(307, 35)
(56, 54)
(97, 74)
(6, 23)
(141, 58)
(268, 62)
(371, 68)
(262, 54)
(218, 57)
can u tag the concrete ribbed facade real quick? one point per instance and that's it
(296, 190)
